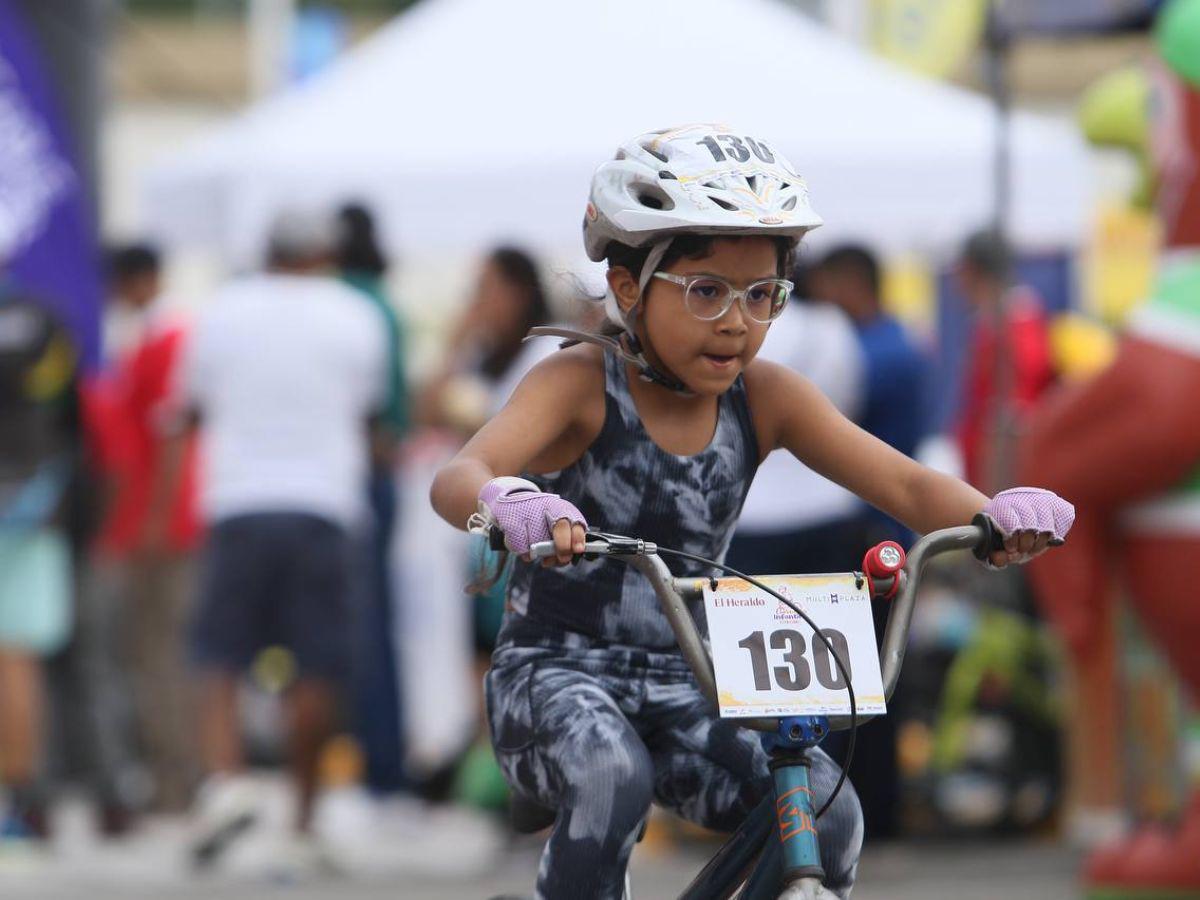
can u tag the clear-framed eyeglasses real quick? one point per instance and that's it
(708, 297)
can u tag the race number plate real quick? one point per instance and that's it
(767, 661)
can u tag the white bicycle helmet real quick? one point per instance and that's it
(695, 179)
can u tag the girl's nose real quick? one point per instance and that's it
(734, 320)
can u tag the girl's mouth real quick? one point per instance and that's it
(721, 362)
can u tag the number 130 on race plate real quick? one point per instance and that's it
(767, 660)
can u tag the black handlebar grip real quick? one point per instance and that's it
(496, 538)
(992, 540)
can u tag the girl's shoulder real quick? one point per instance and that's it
(568, 386)
(577, 368)
(763, 378)
(771, 386)
(569, 380)
(773, 392)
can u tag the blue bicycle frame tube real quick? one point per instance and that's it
(796, 818)
(781, 832)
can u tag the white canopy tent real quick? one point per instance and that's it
(464, 122)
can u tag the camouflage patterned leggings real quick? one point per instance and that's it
(600, 733)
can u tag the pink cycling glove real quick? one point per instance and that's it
(524, 513)
(1030, 509)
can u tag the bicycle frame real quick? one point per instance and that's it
(787, 866)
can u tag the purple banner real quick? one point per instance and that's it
(48, 244)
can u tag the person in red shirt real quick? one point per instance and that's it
(151, 529)
(1004, 377)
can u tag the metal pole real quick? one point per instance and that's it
(1001, 442)
(74, 35)
(996, 44)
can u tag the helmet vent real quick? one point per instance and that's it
(790, 203)
(752, 181)
(661, 157)
(667, 175)
(724, 204)
(652, 197)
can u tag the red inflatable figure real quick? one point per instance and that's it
(1125, 449)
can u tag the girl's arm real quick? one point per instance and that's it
(545, 412)
(792, 414)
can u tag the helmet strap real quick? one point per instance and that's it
(647, 370)
(626, 344)
(653, 259)
(637, 354)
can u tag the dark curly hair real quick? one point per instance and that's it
(519, 269)
(358, 247)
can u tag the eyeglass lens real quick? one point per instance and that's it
(708, 298)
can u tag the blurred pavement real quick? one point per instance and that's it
(406, 851)
(904, 872)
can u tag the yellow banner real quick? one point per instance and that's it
(934, 37)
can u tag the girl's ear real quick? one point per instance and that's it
(624, 287)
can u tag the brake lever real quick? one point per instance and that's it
(496, 539)
(545, 550)
(541, 550)
(598, 544)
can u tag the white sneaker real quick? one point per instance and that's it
(227, 806)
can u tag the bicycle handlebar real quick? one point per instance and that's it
(673, 594)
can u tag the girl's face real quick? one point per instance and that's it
(707, 355)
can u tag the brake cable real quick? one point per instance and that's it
(816, 631)
(620, 546)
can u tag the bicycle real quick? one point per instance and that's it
(751, 865)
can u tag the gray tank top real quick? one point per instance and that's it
(626, 484)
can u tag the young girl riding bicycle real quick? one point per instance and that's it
(655, 429)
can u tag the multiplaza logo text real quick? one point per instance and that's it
(784, 613)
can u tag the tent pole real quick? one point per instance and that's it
(1002, 439)
(74, 35)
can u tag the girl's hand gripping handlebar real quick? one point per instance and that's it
(523, 515)
(1021, 523)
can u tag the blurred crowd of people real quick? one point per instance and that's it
(219, 503)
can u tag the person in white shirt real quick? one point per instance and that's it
(284, 373)
(794, 520)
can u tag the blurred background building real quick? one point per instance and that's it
(179, 70)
